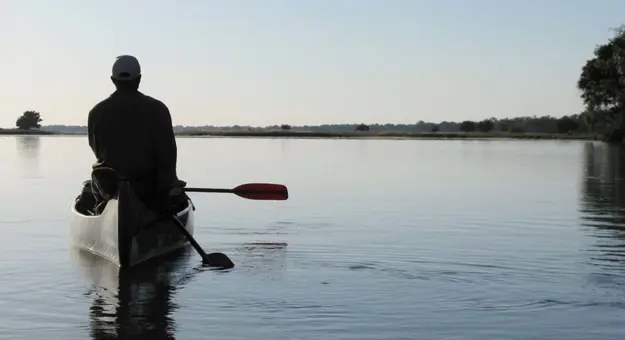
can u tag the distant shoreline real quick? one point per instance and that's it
(389, 134)
(347, 134)
(17, 132)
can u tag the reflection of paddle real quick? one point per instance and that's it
(212, 259)
(252, 191)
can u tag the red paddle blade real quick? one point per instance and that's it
(262, 191)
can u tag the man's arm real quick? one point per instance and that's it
(166, 149)
(91, 131)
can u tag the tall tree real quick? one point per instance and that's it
(29, 120)
(602, 83)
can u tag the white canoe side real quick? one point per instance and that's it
(126, 232)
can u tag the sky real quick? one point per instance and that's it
(303, 62)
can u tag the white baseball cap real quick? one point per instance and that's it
(126, 67)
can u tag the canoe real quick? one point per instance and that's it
(126, 232)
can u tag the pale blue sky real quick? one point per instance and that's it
(303, 62)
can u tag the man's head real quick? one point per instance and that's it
(126, 73)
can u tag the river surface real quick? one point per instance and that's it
(384, 239)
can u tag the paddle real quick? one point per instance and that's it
(212, 259)
(252, 191)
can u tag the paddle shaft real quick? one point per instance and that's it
(207, 190)
(233, 191)
(190, 237)
(212, 259)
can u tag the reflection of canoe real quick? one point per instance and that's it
(126, 232)
(134, 304)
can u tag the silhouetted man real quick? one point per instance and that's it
(132, 133)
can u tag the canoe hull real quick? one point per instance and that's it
(127, 233)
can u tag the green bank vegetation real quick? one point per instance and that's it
(601, 84)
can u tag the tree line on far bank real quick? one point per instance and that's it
(545, 124)
(577, 123)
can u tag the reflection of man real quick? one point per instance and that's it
(132, 134)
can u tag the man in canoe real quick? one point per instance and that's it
(132, 134)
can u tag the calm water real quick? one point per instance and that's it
(387, 239)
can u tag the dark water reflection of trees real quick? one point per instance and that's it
(602, 205)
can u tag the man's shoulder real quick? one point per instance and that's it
(101, 105)
(154, 102)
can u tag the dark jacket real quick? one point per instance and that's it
(133, 134)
